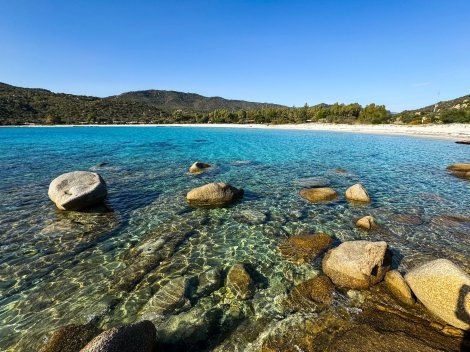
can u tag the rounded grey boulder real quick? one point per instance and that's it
(77, 190)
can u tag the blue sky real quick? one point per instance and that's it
(400, 53)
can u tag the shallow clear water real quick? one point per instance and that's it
(58, 268)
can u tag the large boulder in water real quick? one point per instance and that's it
(198, 167)
(139, 337)
(320, 194)
(214, 194)
(77, 190)
(444, 289)
(357, 193)
(357, 264)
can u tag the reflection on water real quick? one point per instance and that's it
(103, 266)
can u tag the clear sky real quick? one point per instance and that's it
(400, 53)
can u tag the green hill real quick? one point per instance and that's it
(450, 111)
(171, 100)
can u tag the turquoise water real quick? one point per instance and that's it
(58, 268)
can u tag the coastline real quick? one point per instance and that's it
(448, 131)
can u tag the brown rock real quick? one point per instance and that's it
(214, 194)
(138, 337)
(463, 142)
(460, 170)
(70, 338)
(357, 264)
(321, 194)
(198, 167)
(399, 288)
(357, 193)
(367, 222)
(239, 282)
(301, 248)
(459, 167)
(308, 294)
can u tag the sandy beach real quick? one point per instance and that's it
(449, 131)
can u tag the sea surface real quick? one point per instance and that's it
(59, 268)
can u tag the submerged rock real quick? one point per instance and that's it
(214, 194)
(170, 298)
(70, 338)
(460, 170)
(366, 339)
(321, 194)
(357, 264)
(357, 193)
(312, 182)
(198, 167)
(239, 282)
(138, 337)
(407, 219)
(459, 167)
(301, 248)
(444, 289)
(399, 288)
(310, 293)
(366, 223)
(189, 328)
(209, 281)
(251, 217)
(77, 190)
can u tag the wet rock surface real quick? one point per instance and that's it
(303, 248)
(311, 294)
(239, 282)
(70, 338)
(138, 337)
(171, 298)
(320, 194)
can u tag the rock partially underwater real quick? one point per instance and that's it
(77, 190)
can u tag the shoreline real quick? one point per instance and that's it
(448, 131)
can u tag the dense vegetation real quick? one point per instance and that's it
(171, 100)
(450, 111)
(40, 106)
